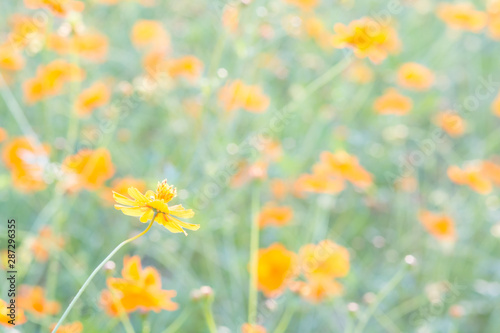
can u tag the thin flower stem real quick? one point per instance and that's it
(380, 297)
(98, 268)
(254, 248)
(285, 320)
(209, 317)
(177, 323)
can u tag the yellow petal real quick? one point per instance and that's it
(121, 199)
(189, 226)
(136, 194)
(132, 211)
(147, 216)
(180, 211)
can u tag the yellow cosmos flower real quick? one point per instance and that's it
(155, 204)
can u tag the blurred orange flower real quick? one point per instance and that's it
(11, 58)
(279, 188)
(276, 265)
(492, 171)
(50, 80)
(149, 33)
(230, 18)
(97, 95)
(392, 102)
(247, 172)
(145, 206)
(438, 225)
(249, 328)
(75, 327)
(19, 318)
(42, 246)
(32, 300)
(415, 76)
(326, 260)
(365, 40)
(138, 289)
(451, 123)
(304, 4)
(495, 107)
(26, 162)
(25, 29)
(275, 215)
(472, 176)
(316, 290)
(121, 186)
(92, 46)
(319, 184)
(315, 28)
(358, 72)
(3, 134)
(57, 7)
(188, 67)
(462, 16)
(343, 165)
(88, 169)
(236, 95)
(493, 11)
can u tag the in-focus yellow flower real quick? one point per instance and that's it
(146, 205)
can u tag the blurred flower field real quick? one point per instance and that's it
(250, 166)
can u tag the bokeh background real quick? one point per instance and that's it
(368, 129)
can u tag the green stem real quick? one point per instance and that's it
(285, 320)
(209, 317)
(177, 324)
(97, 269)
(381, 295)
(254, 248)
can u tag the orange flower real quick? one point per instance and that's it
(304, 4)
(462, 16)
(51, 79)
(392, 102)
(360, 73)
(88, 169)
(276, 266)
(32, 299)
(451, 123)
(315, 28)
(11, 58)
(492, 171)
(367, 38)
(317, 290)
(25, 29)
(319, 184)
(415, 76)
(121, 186)
(57, 7)
(248, 172)
(138, 289)
(230, 18)
(146, 205)
(495, 107)
(91, 46)
(279, 188)
(438, 225)
(5, 318)
(75, 327)
(472, 176)
(236, 95)
(91, 98)
(274, 215)
(3, 134)
(26, 161)
(326, 260)
(189, 67)
(249, 328)
(45, 243)
(343, 165)
(148, 33)
(493, 10)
